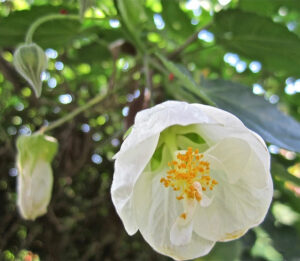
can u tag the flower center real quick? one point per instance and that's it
(189, 175)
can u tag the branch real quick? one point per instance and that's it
(148, 77)
(74, 113)
(190, 40)
(43, 19)
(9, 73)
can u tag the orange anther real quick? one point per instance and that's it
(214, 182)
(183, 215)
(185, 171)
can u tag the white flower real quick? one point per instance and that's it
(35, 179)
(189, 175)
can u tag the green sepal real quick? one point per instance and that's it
(127, 133)
(35, 147)
(30, 61)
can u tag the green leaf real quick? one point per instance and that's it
(282, 236)
(279, 171)
(184, 77)
(256, 113)
(54, 34)
(225, 251)
(287, 196)
(92, 53)
(176, 20)
(212, 57)
(258, 38)
(133, 15)
(268, 7)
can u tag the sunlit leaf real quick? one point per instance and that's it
(258, 38)
(256, 113)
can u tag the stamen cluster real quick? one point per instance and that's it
(189, 175)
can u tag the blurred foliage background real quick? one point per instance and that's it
(243, 55)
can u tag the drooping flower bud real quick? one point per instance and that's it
(35, 179)
(30, 61)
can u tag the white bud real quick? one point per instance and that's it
(35, 179)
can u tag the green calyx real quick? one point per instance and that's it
(173, 139)
(33, 148)
(30, 61)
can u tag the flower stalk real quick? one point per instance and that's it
(74, 113)
(41, 20)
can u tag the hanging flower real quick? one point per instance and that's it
(35, 179)
(189, 175)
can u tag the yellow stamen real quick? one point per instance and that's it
(183, 215)
(187, 174)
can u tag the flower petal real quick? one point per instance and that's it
(152, 121)
(215, 133)
(230, 154)
(181, 234)
(221, 117)
(156, 211)
(128, 166)
(243, 195)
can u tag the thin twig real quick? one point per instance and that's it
(43, 19)
(190, 40)
(158, 66)
(74, 113)
(148, 77)
(112, 79)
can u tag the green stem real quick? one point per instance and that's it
(159, 67)
(44, 19)
(190, 40)
(74, 113)
(198, 92)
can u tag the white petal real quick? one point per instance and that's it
(215, 133)
(221, 117)
(181, 234)
(152, 121)
(241, 201)
(182, 229)
(232, 154)
(128, 167)
(156, 210)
